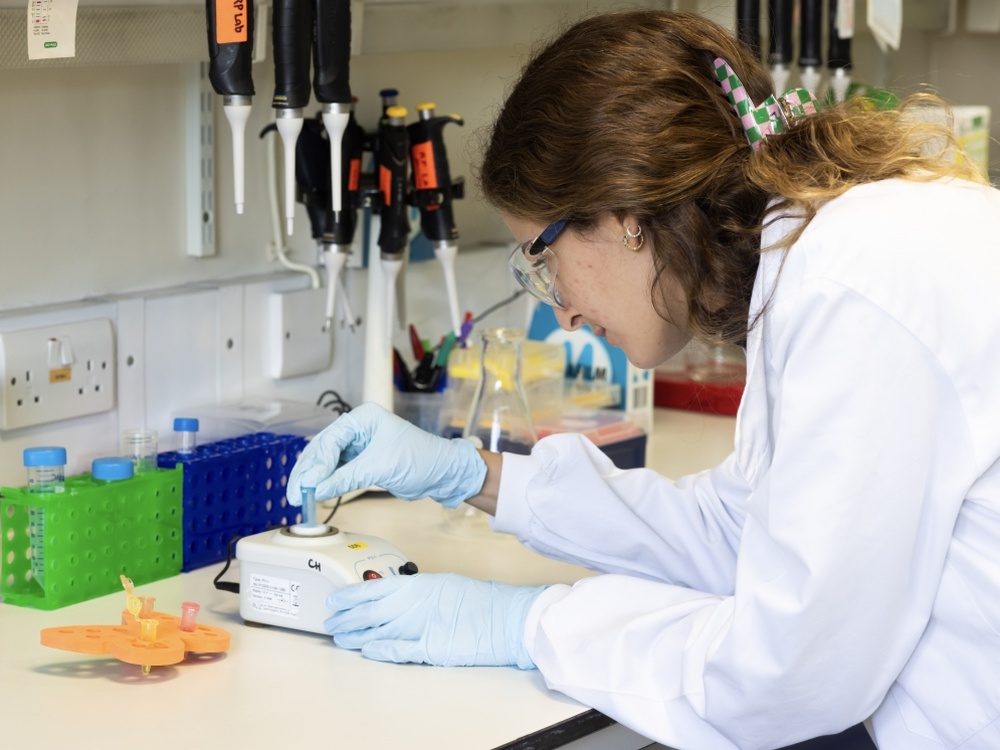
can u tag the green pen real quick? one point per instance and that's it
(445, 350)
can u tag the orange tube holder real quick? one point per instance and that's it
(155, 639)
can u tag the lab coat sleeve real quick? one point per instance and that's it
(568, 501)
(840, 553)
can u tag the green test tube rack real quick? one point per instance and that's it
(93, 534)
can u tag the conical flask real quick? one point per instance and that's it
(499, 419)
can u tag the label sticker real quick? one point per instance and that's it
(51, 29)
(274, 596)
(231, 21)
(357, 545)
(424, 170)
(62, 375)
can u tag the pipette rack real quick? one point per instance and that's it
(233, 487)
(93, 533)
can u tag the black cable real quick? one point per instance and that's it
(230, 586)
(336, 402)
(498, 305)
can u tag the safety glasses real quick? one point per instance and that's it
(534, 265)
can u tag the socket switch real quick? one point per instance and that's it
(57, 372)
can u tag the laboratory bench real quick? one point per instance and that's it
(275, 686)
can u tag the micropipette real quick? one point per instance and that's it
(230, 54)
(392, 163)
(343, 222)
(332, 230)
(331, 82)
(839, 53)
(433, 192)
(810, 41)
(292, 22)
(779, 14)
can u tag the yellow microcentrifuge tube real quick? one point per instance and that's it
(147, 633)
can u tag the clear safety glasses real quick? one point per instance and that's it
(534, 265)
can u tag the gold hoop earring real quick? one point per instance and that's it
(637, 235)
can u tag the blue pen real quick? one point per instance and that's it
(466, 330)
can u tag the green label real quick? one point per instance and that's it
(51, 45)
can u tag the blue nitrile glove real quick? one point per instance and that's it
(442, 619)
(371, 447)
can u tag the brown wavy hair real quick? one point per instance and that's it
(621, 113)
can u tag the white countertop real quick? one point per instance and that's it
(275, 686)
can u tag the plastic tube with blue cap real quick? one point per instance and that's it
(187, 430)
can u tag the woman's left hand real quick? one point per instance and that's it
(442, 619)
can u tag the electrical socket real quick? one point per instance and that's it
(56, 372)
(301, 343)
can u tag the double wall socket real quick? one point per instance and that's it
(57, 372)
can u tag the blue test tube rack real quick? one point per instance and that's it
(232, 488)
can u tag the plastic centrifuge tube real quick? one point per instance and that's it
(309, 505)
(309, 526)
(187, 429)
(189, 616)
(111, 469)
(46, 474)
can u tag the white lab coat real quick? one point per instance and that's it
(844, 562)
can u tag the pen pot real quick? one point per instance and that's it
(499, 419)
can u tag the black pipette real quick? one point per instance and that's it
(230, 55)
(433, 193)
(810, 41)
(839, 54)
(779, 56)
(332, 230)
(292, 22)
(748, 24)
(391, 164)
(331, 82)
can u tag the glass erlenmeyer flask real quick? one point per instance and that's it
(499, 419)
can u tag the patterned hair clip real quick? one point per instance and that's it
(774, 115)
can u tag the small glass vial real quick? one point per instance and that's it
(111, 469)
(499, 420)
(46, 475)
(140, 446)
(187, 430)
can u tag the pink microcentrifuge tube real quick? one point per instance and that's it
(189, 614)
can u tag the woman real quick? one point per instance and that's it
(843, 564)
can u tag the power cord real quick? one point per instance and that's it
(332, 400)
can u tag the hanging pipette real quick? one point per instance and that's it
(391, 165)
(331, 80)
(333, 230)
(779, 55)
(342, 224)
(433, 193)
(293, 22)
(810, 43)
(748, 24)
(230, 54)
(839, 53)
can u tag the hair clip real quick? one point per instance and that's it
(774, 115)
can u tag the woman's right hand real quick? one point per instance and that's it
(371, 447)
